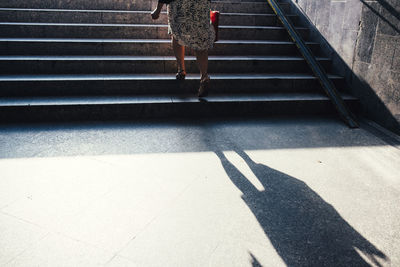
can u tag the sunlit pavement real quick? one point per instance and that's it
(270, 192)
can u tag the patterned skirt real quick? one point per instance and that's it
(189, 23)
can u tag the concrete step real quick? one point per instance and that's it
(175, 105)
(106, 59)
(138, 84)
(146, 64)
(247, 7)
(125, 17)
(239, 1)
(134, 31)
(222, 6)
(80, 4)
(141, 47)
(258, 33)
(247, 19)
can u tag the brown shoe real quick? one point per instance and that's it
(203, 89)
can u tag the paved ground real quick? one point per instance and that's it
(271, 192)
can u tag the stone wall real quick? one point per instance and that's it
(363, 38)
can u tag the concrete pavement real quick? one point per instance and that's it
(225, 192)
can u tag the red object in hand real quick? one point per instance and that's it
(214, 17)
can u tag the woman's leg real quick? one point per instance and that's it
(202, 61)
(179, 52)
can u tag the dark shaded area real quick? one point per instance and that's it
(177, 136)
(388, 8)
(371, 83)
(304, 229)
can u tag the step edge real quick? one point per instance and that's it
(133, 25)
(153, 58)
(162, 99)
(105, 40)
(167, 76)
(44, 10)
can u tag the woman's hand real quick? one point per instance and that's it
(156, 13)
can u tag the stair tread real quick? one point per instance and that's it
(252, 14)
(166, 76)
(124, 11)
(77, 10)
(173, 98)
(246, 2)
(256, 27)
(77, 40)
(82, 24)
(150, 58)
(241, 2)
(133, 25)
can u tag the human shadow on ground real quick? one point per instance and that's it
(304, 229)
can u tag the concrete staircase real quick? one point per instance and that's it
(106, 59)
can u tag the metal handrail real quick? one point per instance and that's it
(317, 69)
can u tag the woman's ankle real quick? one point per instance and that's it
(204, 77)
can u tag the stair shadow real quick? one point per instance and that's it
(304, 229)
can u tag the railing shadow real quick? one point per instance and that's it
(389, 8)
